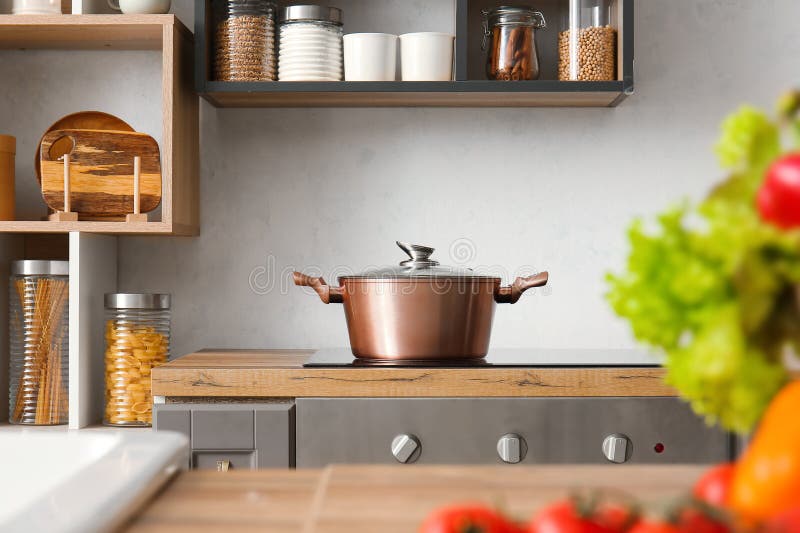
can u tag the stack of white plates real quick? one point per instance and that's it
(309, 52)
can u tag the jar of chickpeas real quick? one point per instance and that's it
(137, 340)
(587, 42)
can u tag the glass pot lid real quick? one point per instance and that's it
(419, 265)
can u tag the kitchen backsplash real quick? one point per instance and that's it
(521, 189)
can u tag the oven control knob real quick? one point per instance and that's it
(616, 448)
(512, 448)
(405, 448)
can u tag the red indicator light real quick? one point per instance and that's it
(658, 448)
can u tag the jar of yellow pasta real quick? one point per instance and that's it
(137, 340)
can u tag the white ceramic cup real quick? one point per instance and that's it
(36, 7)
(140, 7)
(426, 56)
(370, 57)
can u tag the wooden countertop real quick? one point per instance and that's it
(354, 499)
(280, 374)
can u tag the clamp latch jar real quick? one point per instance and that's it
(510, 35)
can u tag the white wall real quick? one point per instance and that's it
(537, 188)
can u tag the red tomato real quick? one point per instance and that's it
(779, 197)
(652, 526)
(468, 518)
(786, 522)
(715, 484)
(564, 517)
(695, 520)
(692, 517)
(615, 517)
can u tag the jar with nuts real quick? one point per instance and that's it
(587, 43)
(137, 340)
(510, 37)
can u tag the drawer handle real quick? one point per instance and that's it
(223, 465)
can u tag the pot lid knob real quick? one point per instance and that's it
(420, 255)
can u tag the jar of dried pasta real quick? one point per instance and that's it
(39, 342)
(137, 340)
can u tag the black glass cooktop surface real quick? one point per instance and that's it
(501, 358)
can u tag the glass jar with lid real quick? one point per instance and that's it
(587, 42)
(244, 39)
(137, 340)
(509, 33)
(310, 43)
(39, 342)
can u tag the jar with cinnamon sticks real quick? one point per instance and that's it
(510, 38)
(39, 334)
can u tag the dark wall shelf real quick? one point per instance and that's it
(424, 94)
(468, 91)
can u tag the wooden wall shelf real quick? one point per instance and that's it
(180, 146)
(121, 228)
(470, 89)
(86, 32)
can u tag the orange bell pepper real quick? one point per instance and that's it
(767, 477)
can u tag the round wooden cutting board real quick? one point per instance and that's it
(84, 120)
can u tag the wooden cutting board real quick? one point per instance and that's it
(83, 120)
(101, 171)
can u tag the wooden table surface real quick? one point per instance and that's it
(280, 374)
(385, 499)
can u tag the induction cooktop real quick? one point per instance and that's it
(500, 358)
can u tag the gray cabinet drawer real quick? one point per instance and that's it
(274, 437)
(467, 430)
(236, 460)
(248, 435)
(168, 418)
(223, 429)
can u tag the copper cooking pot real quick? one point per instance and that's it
(419, 310)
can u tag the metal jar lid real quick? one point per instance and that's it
(310, 13)
(515, 15)
(137, 301)
(40, 268)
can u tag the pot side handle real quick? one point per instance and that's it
(512, 293)
(328, 294)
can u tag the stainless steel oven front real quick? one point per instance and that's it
(504, 430)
